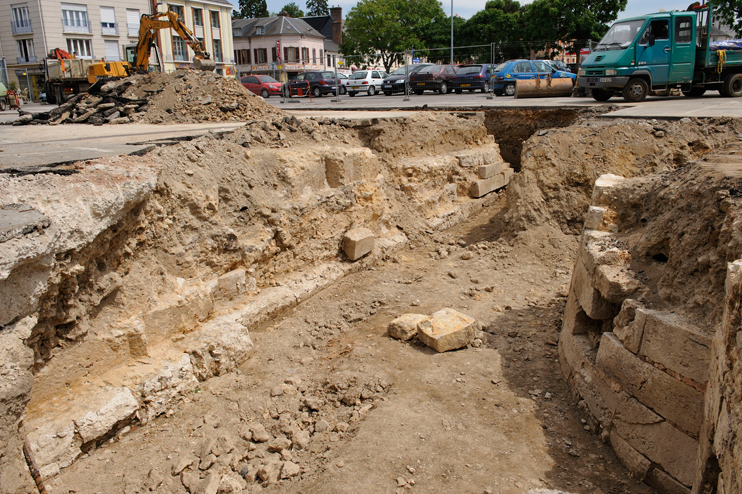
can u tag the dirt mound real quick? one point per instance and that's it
(560, 166)
(188, 96)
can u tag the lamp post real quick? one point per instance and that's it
(451, 32)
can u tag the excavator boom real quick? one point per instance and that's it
(148, 27)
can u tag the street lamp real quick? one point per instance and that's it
(451, 32)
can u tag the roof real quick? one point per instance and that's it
(715, 31)
(273, 26)
(321, 23)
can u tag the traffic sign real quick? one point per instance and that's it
(415, 60)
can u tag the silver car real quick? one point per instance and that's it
(367, 81)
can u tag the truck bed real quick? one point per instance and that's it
(67, 70)
(733, 58)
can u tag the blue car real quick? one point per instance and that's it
(472, 77)
(507, 73)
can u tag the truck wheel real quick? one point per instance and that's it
(636, 90)
(732, 86)
(695, 92)
(601, 94)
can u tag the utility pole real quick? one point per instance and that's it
(451, 32)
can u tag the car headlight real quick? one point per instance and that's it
(610, 72)
(581, 73)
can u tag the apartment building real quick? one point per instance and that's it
(278, 45)
(94, 29)
(211, 22)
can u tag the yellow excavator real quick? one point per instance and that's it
(100, 72)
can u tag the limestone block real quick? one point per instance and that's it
(159, 391)
(664, 483)
(669, 397)
(358, 242)
(594, 217)
(664, 445)
(120, 407)
(575, 321)
(481, 188)
(671, 341)
(446, 330)
(231, 284)
(54, 443)
(265, 305)
(221, 346)
(178, 312)
(628, 325)
(615, 283)
(604, 188)
(637, 463)
(405, 327)
(487, 171)
(575, 350)
(590, 299)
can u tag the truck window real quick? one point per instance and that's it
(660, 28)
(683, 29)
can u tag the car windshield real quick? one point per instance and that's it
(360, 74)
(430, 69)
(266, 78)
(474, 69)
(620, 35)
(328, 75)
(501, 67)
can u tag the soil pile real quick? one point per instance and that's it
(189, 96)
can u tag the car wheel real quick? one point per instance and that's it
(387, 93)
(316, 92)
(3, 104)
(458, 91)
(732, 86)
(601, 94)
(351, 93)
(509, 89)
(264, 93)
(371, 90)
(343, 90)
(695, 92)
(444, 88)
(486, 88)
(418, 91)
(636, 90)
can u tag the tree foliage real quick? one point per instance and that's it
(317, 7)
(569, 19)
(730, 12)
(251, 9)
(377, 30)
(292, 10)
(499, 21)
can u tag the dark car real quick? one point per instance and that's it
(395, 82)
(433, 78)
(264, 85)
(319, 83)
(472, 77)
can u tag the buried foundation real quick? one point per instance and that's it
(221, 305)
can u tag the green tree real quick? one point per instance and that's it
(292, 10)
(569, 19)
(381, 29)
(498, 22)
(251, 9)
(317, 7)
(730, 11)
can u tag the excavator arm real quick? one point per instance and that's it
(148, 27)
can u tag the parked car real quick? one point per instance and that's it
(318, 82)
(559, 65)
(507, 73)
(264, 85)
(368, 81)
(472, 77)
(396, 80)
(433, 78)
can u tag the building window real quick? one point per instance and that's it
(180, 51)
(132, 22)
(20, 21)
(274, 54)
(112, 51)
(25, 51)
(75, 18)
(291, 54)
(243, 57)
(108, 21)
(198, 17)
(260, 30)
(178, 9)
(215, 19)
(218, 51)
(261, 55)
(329, 62)
(305, 54)
(80, 48)
(320, 55)
(314, 55)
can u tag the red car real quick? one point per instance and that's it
(434, 78)
(264, 85)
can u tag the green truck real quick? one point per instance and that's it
(658, 52)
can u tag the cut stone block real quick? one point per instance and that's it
(603, 186)
(358, 242)
(665, 483)
(628, 326)
(120, 407)
(487, 171)
(669, 340)
(669, 397)
(594, 217)
(446, 330)
(481, 188)
(405, 327)
(590, 299)
(231, 284)
(637, 463)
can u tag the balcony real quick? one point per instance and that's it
(22, 60)
(132, 29)
(22, 26)
(77, 27)
(109, 28)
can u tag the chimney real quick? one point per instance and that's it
(337, 24)
(283, 13)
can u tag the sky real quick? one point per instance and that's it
(467, 8)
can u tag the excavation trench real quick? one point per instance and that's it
(200, 305)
